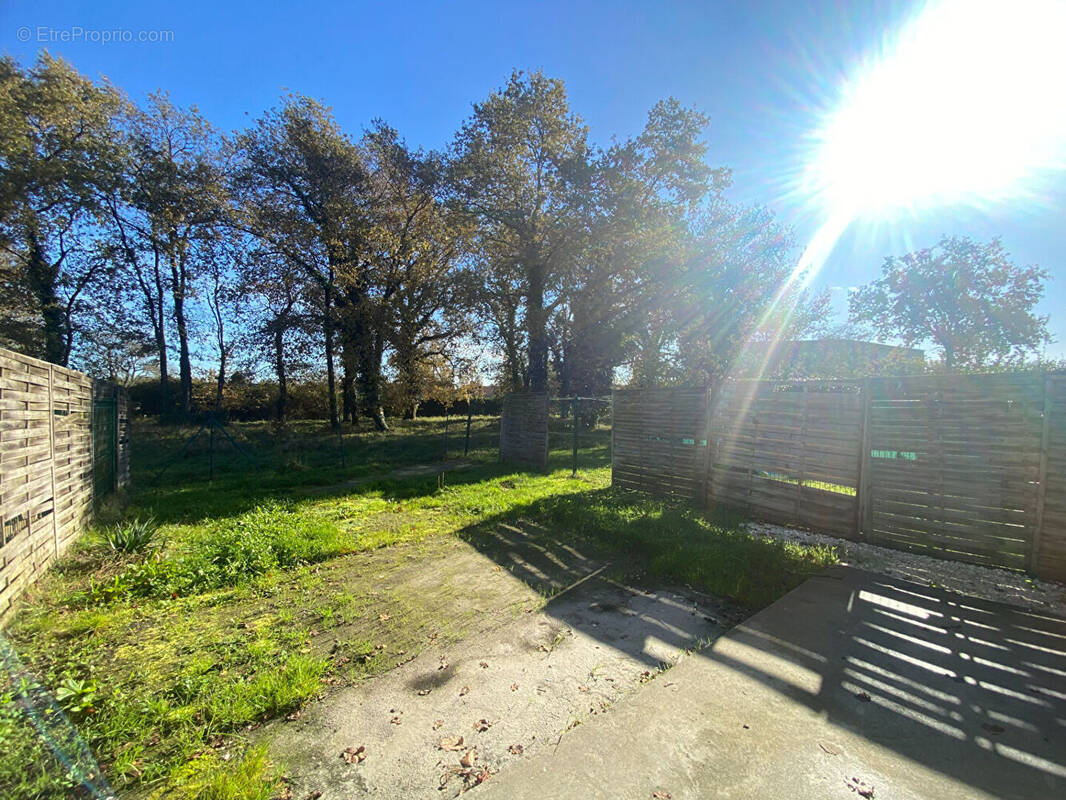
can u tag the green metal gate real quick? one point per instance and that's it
(104, 424)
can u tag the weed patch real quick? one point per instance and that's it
(228, 553)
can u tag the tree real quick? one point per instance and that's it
(723, 285)
(643, 192)
(520, 162)
(965, 298)
(301, 181)
(419, 290)
(165, 218)
(113, 342)
(223, 292)
(59, 153)
(283, 315)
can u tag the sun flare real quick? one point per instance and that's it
(964, 108)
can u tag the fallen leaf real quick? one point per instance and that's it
(468, 759)
(583, 688)
(295, 715)
(514, 687)
(314, 796)
(437, 723)
(832, 749)
(483, 664)
(515, 749)
(354, 755)
(862, 788)
(661, 795)
(423, 692)
(465, 690)
(396, 720)
(481, 776)
(482, 725)
(451, 743)
(383, 617)
(863, 696)
(443, 663)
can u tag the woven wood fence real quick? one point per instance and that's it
(970, 468)
(788, 452)
(524, 429)
(63, 443)
(659, 441)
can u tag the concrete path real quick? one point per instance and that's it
(853, 685)
(498, 668)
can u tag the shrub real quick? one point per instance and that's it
(133, 536)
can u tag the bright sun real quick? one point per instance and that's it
(967, 106)
(968, 103)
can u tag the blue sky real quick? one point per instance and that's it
(763, 71)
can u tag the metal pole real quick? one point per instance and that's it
(573, 415)
(469, 414)
(446, 418)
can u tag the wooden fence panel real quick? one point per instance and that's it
(46, 463)
(954, 466)
(659, 441)
(1049, 549)
(524, 429)
(789, 452)
(963, 467)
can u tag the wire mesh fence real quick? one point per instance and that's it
(213, 448)
(579, 433)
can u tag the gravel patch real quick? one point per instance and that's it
(988, 583)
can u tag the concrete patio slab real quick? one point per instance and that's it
(853, 685)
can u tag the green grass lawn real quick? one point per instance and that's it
(165, 659)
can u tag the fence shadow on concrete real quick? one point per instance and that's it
(580, 584)
(971, 689)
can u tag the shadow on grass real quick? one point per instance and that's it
(237, 492)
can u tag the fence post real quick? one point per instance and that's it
(52, 457)
(444, 456)
(1041, 487)
(708, 458)
(864, 508)
(116, 438)
(573, 419)
(469, 416)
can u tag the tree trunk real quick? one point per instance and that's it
(164, 378)
(155, 297)
(221, 379)
(536, 324)
(350, 364)
(43, 277)
(178, 276)
(370, 380)
(279, 369)
(414, 409)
